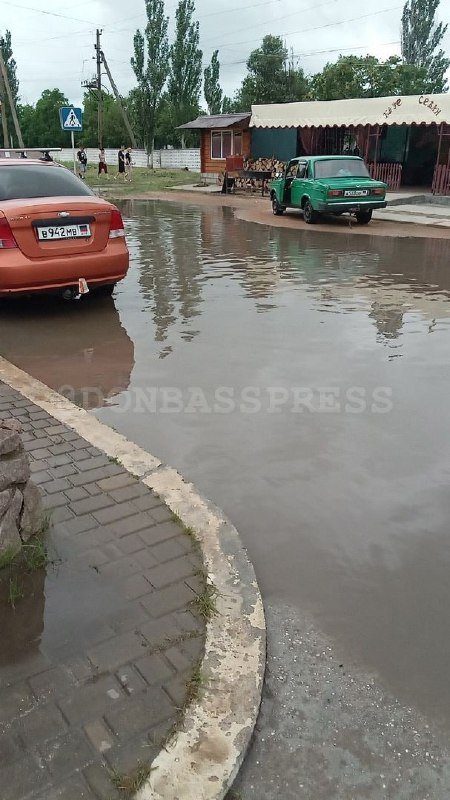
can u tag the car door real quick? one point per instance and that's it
(290, 176)
(298, 184)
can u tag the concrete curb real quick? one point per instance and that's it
(204, 757)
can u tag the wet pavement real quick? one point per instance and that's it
(300, 378)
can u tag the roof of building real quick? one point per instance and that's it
(216, 121)
(404, 110)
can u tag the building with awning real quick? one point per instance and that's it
(222, 136)
(405, 140)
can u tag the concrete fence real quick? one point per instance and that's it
(162, 159)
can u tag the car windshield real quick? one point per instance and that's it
(21, 181)
(341, 168)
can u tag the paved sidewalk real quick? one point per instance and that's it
(96, 657)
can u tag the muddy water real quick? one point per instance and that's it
(302, 381)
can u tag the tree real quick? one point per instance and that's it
(366, 76)
(151, 67)
(46, 130)
(185, 79)
(11, 68)
(421, 37)
(114, 130)
(272, 77)
(212, 91)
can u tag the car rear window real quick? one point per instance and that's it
(341, 168)
(19, 181)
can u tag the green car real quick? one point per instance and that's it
(328, 185)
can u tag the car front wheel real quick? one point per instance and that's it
(309, 215)
(364, 217)
(276, 208)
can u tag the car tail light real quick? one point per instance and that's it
(7, 240)
(379, 191)
(335, 192)
(116, 230)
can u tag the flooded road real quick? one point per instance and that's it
(301, 380)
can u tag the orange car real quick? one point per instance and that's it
(56, 235)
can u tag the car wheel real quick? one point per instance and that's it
(364, 217)
(276, 208)
(309, 215)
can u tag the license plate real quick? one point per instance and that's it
(356, 193)
(53, 232)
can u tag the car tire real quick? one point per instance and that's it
(364, 217)
(309, 215)
(276, 208)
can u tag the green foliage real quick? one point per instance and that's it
(40, 125)
(185, 78)
(272, 77)
(366, 76)
(11, 68)
(212, 91)
(421, 36)
(151, 67)
(114, 130)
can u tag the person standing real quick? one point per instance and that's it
(121, 163)
(102, 165)
(82, 162)
(128, 163)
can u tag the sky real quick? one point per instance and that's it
(53, 42)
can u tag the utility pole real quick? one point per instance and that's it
(99, 89)
(3, 113)
(12, 106)
(119, 102)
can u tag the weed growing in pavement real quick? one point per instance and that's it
(206, 602)
(129, 784)
(115, 461)
(187, 530)
(8, 557)
(15, 591)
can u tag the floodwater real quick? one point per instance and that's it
(301, 379)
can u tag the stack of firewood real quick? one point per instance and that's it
(264, 165)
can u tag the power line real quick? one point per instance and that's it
(40, 11)
(313, 53)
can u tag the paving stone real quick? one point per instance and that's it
(144, 558)
(140, 713)
(161, 514)
(194, 647)
(77, 493)
(44, 722)
(180, 661)
(58, 449)
(154, 668)
(131, 681)
(160, 533)
(131, 544)
(9, 750)
(81, 523)
(41, 477)
(136, 586)
(161, 632)
(73, 788)
(95, 463)
(138, 522)
(54, 682)
(173, 548)
(125, 759)
(58, 485)
(122, 568)
(147, 501)
(92, 488)
(38, 466)
(89, 476)
(42, 453)
(189, 622)
(90, 504)
(100, 737)
(117, 482)
(61, 514)
(170, 599)
(117, 511)
(14, 701)
(79, 455)
(119, 650)
(65, 754)
(196, 583)
(63, 471)
(54, 429)
(21, 777)
(171, 572)
(94, 537)
(55, 500)
(91, 701)
(177, 688)
(131, 492)
(130, 618)
(59, 461)
(98, 777)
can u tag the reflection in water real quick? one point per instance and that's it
(80, 349)
(344, 513)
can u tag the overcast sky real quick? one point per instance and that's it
(53, 42)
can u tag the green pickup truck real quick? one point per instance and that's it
(328, 185)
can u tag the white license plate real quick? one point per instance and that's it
(50, 233)
(356, 193)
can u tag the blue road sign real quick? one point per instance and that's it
(71, 118)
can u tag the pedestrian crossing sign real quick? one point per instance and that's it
(71, 118)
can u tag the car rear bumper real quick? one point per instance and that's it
(356, 205)
(22, 275)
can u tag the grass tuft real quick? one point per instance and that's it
(129, 784)
(206, 602)
(8, 557)
(15, 591)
